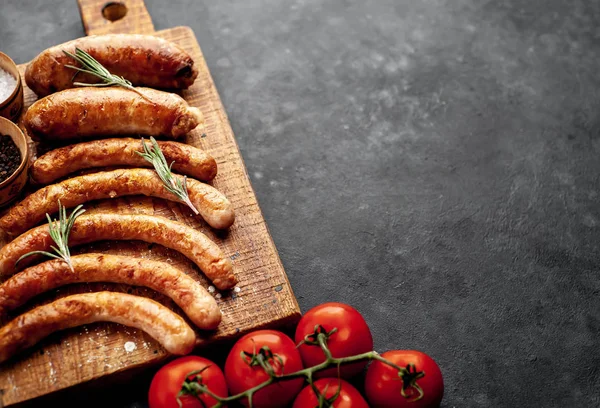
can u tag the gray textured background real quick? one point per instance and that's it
(433, 163)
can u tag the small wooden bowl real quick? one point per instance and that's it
(11, 107)
(13, 185)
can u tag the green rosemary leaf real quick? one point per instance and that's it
(48, 254)
(174, 185)
(90, 65)
(59, 231)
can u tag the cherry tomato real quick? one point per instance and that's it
(241, 375)
(383, 387)
(349, 397)
(167, 382)
(352, 337)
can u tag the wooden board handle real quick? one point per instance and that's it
(114, 17)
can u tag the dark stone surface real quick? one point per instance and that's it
(433, 163)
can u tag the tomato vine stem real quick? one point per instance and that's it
(408, 374)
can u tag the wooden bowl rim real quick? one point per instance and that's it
(24, 156)
(18, 78)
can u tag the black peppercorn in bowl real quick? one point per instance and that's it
(14, 161)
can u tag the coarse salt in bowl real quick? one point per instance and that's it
(8, 83)
(11, 89)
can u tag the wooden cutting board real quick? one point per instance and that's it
(263, 297)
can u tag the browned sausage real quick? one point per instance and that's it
(171, 331)
(86, 112)
(193, 299)
(142, 59)
(213, 206)
(149, 228)
(59, 162)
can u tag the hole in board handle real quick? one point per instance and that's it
(114, 11)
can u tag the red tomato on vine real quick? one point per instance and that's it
(167, 383)
(423, 386)
(246, 363)
(338, 394)
(352, 336)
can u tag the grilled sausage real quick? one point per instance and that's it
(171, 331)
(149, 228)
(193, 299)
(87, 112)
(142, 59)
(213, 206)
(58, 163)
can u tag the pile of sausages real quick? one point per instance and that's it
(87, 115)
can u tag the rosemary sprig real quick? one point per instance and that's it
(91, 66)
(179, 188)
(59, 232)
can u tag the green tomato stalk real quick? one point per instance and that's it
(194, 386)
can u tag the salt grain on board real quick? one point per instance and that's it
(129, 346)
(52, 372)
(8, 84)
(211, 289)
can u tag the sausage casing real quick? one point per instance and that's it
(213, 206)
(60, 162)
(194, 300)
(149, 228)
(86, 112)
(142, 59)
(171, 331)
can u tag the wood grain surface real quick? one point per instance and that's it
(136, 20)
(263, 297)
